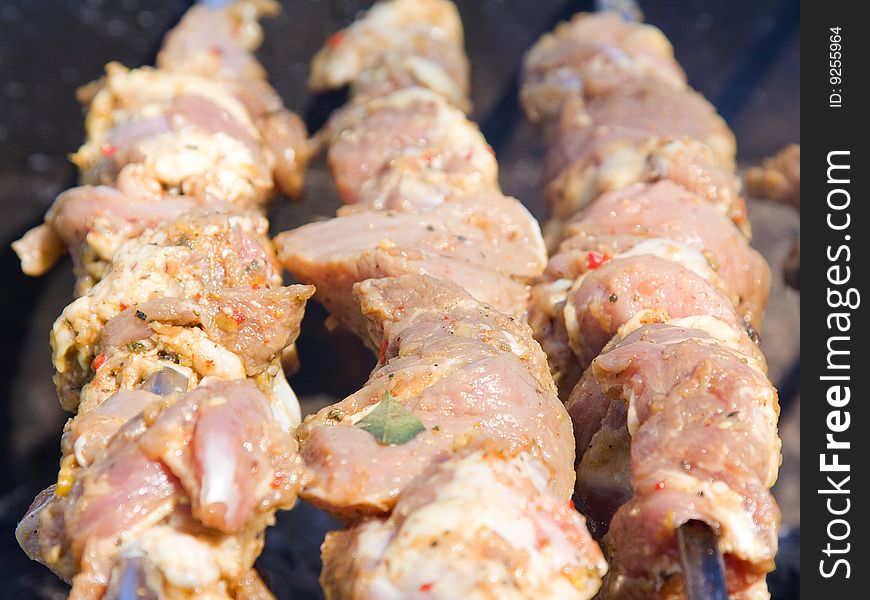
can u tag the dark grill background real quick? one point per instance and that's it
(743, 55)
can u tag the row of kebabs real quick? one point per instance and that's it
(650, 306)
(454, 464)
(181, 448)
(430, 263)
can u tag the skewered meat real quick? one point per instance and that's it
(697, 426)
(592, 55)
(173, 486)
(463, 369)
(667, 210)
(443, 540)
(219, 45)
(453, 373)
(98, 220)
(779, 179)
(638, 220)
(614, 105)
(675, 419)
(604, 141)
(637, 113)
(182, 447)
(204, 128)
(399, 44)
(409, 149)
(644, 134)
(614, 165)
(644, 284)
(419, 181)
(420, 184)
(191, 136)
(488, 244)
(202, 292)
(214, 332)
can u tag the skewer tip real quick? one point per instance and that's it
(134, 578)
(165, 382)
(703, 567)
(629, 10)
(215, 4)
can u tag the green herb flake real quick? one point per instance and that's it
(136, 346)
(391, 423)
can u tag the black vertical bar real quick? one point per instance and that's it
(834, 410)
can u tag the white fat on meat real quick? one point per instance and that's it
(141, 272)
(185, 561)
(218, 470)
(145, 89)
(679, 253)
(736, 531)
(283, 400)
(720, 332)
(477, 502)
(388, 31)
(209, 358)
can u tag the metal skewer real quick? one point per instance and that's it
(627, 9)
(165, 382)
(703, 567)
(134, 578)
(214, 4)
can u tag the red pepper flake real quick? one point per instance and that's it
(255, 286)
(278, 481)
(99, 359)
(336, 39)
(660, 486)
(427, 587)
(382, 354)
(571, 505)
(427, 156)
(122, 306)
(596, 259)
(238, 317)
(108, 150)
